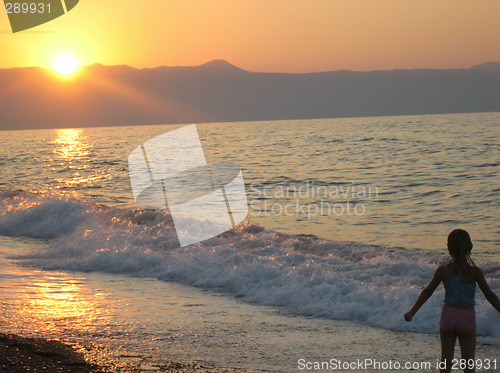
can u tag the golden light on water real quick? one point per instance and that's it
(72, 145)
(50, 302)
(59, 299)
(73, 152)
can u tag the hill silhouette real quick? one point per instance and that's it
(218, 91)
(488, 66)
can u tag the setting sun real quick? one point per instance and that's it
(65, 64)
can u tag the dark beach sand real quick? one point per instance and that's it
(20, 354)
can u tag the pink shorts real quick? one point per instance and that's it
(457, 320)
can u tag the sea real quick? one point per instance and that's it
(347, 221)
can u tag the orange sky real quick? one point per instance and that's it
(265, 35)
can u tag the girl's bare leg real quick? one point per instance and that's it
(448, 341)
(468, 347)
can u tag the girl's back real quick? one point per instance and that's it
(448, 272)
(460, 286)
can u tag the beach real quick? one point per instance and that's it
(18, 354)
(128, 323)
(249, 186)
(290, 289)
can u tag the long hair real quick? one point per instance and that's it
(460, 246)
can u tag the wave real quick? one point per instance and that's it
(301, 273)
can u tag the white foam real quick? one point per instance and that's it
(305, 275)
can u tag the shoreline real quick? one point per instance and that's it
(22, 354)
(121, 323)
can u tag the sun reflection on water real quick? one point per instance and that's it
(72, 144)
(55, 303)
(73, 152)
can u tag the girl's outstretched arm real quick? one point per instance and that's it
(425, 294)
(485, 288)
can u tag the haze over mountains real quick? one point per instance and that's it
(220, 92)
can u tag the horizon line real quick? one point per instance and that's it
(264, 121)
(229, 65)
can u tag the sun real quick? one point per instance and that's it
(65, 64)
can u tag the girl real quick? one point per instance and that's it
(458, 317)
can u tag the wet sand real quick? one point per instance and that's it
(20, 354)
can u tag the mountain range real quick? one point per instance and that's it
(220, 92)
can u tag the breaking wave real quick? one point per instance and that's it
(302, 274)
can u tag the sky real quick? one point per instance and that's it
(264, 35)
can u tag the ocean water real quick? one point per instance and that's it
(347, 221)
(391, 181)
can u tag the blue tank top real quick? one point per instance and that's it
(457, 291)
